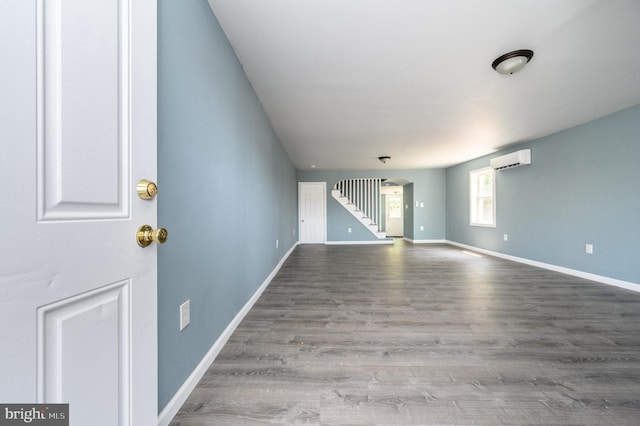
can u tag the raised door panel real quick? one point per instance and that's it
(83, 109)
(79, 338)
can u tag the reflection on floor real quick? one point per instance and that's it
(423, 335)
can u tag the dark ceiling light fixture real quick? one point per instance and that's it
(384, 158)
(513, 61)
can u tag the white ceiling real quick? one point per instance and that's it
(346, 81)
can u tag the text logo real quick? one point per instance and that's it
(34, 414)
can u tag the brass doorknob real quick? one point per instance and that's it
(146, 189)
(147, 235)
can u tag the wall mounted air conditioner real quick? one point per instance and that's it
(515, 159)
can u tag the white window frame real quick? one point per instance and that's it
(474, 197)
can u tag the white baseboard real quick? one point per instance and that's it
(586, 275)
(339, 243)
(388, 240)
(173, 406)
(424, 241)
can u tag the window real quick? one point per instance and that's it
(482, 189)
(395, 207)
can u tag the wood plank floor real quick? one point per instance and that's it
(425, 335)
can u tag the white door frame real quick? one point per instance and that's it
(393, 190)
(396, 226)
(319, 236)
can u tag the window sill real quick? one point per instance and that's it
(483, 225)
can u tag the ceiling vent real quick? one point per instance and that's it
(515, 159)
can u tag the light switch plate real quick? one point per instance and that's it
(185, 314)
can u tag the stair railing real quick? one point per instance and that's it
(364, 193)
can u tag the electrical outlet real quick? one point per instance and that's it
(185, 314)
(417, 204)
(588, 248)
(505, 237)
(421, 205)
(349, 230)
(421, 227)
(406, 206)
(277, 243)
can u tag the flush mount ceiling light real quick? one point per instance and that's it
(384, 158)
(513, 61)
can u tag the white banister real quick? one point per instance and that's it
(365, 195)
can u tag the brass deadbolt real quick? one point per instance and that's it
(146, 189)
(147, 235)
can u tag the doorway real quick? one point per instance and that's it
(312, 212)
(394, 220)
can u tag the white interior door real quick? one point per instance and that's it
(312, 212)
(393, 215)
(77, 131)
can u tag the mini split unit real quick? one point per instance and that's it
(515, 159)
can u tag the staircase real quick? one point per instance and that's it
(361, 197)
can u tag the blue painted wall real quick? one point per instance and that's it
(227, 190)
(428, 188)
(409, 207)
(583, 187)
